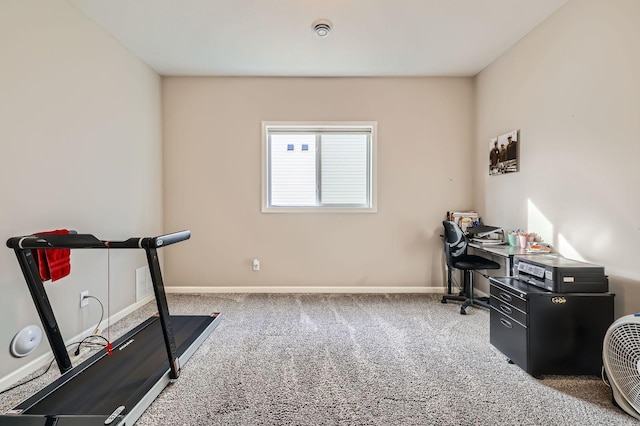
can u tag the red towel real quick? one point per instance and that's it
(54, 263)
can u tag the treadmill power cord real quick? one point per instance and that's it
(97, 328)
(30, 380)
(77, 351)
(17, 385)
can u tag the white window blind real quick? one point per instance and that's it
(344, 169)
(312, 167)
(293, 170)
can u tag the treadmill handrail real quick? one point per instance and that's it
(85, 241)
(24, 246)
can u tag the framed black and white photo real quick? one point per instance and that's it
(504, 153)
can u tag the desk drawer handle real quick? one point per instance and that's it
(507, 310)
(506, 323)
(505, 297)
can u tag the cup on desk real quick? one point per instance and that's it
(513, 240)
(523, 241)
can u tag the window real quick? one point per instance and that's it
(318, 167)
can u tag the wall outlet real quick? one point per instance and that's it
(84, 299)
(255, 265)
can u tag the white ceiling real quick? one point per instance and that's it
(274, 37)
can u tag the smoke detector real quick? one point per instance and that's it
(322, 27)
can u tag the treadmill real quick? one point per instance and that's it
(107, 389)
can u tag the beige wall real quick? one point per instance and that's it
(212, 146)
(572, 87)
(80, 132)
(80, 142)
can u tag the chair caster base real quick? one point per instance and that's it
(463, 311)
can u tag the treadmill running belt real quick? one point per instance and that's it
(138, 362)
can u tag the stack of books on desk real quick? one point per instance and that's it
(464, 220)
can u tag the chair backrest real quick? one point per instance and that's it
(455, 243)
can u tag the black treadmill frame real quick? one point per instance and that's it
(138, 396)
(23, 247)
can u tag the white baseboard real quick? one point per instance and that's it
(301, 289)
(42, 360)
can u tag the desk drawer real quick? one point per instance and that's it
(508, 297)
(509, 337)
(508, 310)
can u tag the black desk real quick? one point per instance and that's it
(503, 254)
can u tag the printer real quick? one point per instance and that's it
(560, 275)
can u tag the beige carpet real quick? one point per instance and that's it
(356, 360)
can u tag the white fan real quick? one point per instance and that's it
(621, 358)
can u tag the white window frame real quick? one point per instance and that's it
(319, 126)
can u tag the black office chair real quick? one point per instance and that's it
(455, 250)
